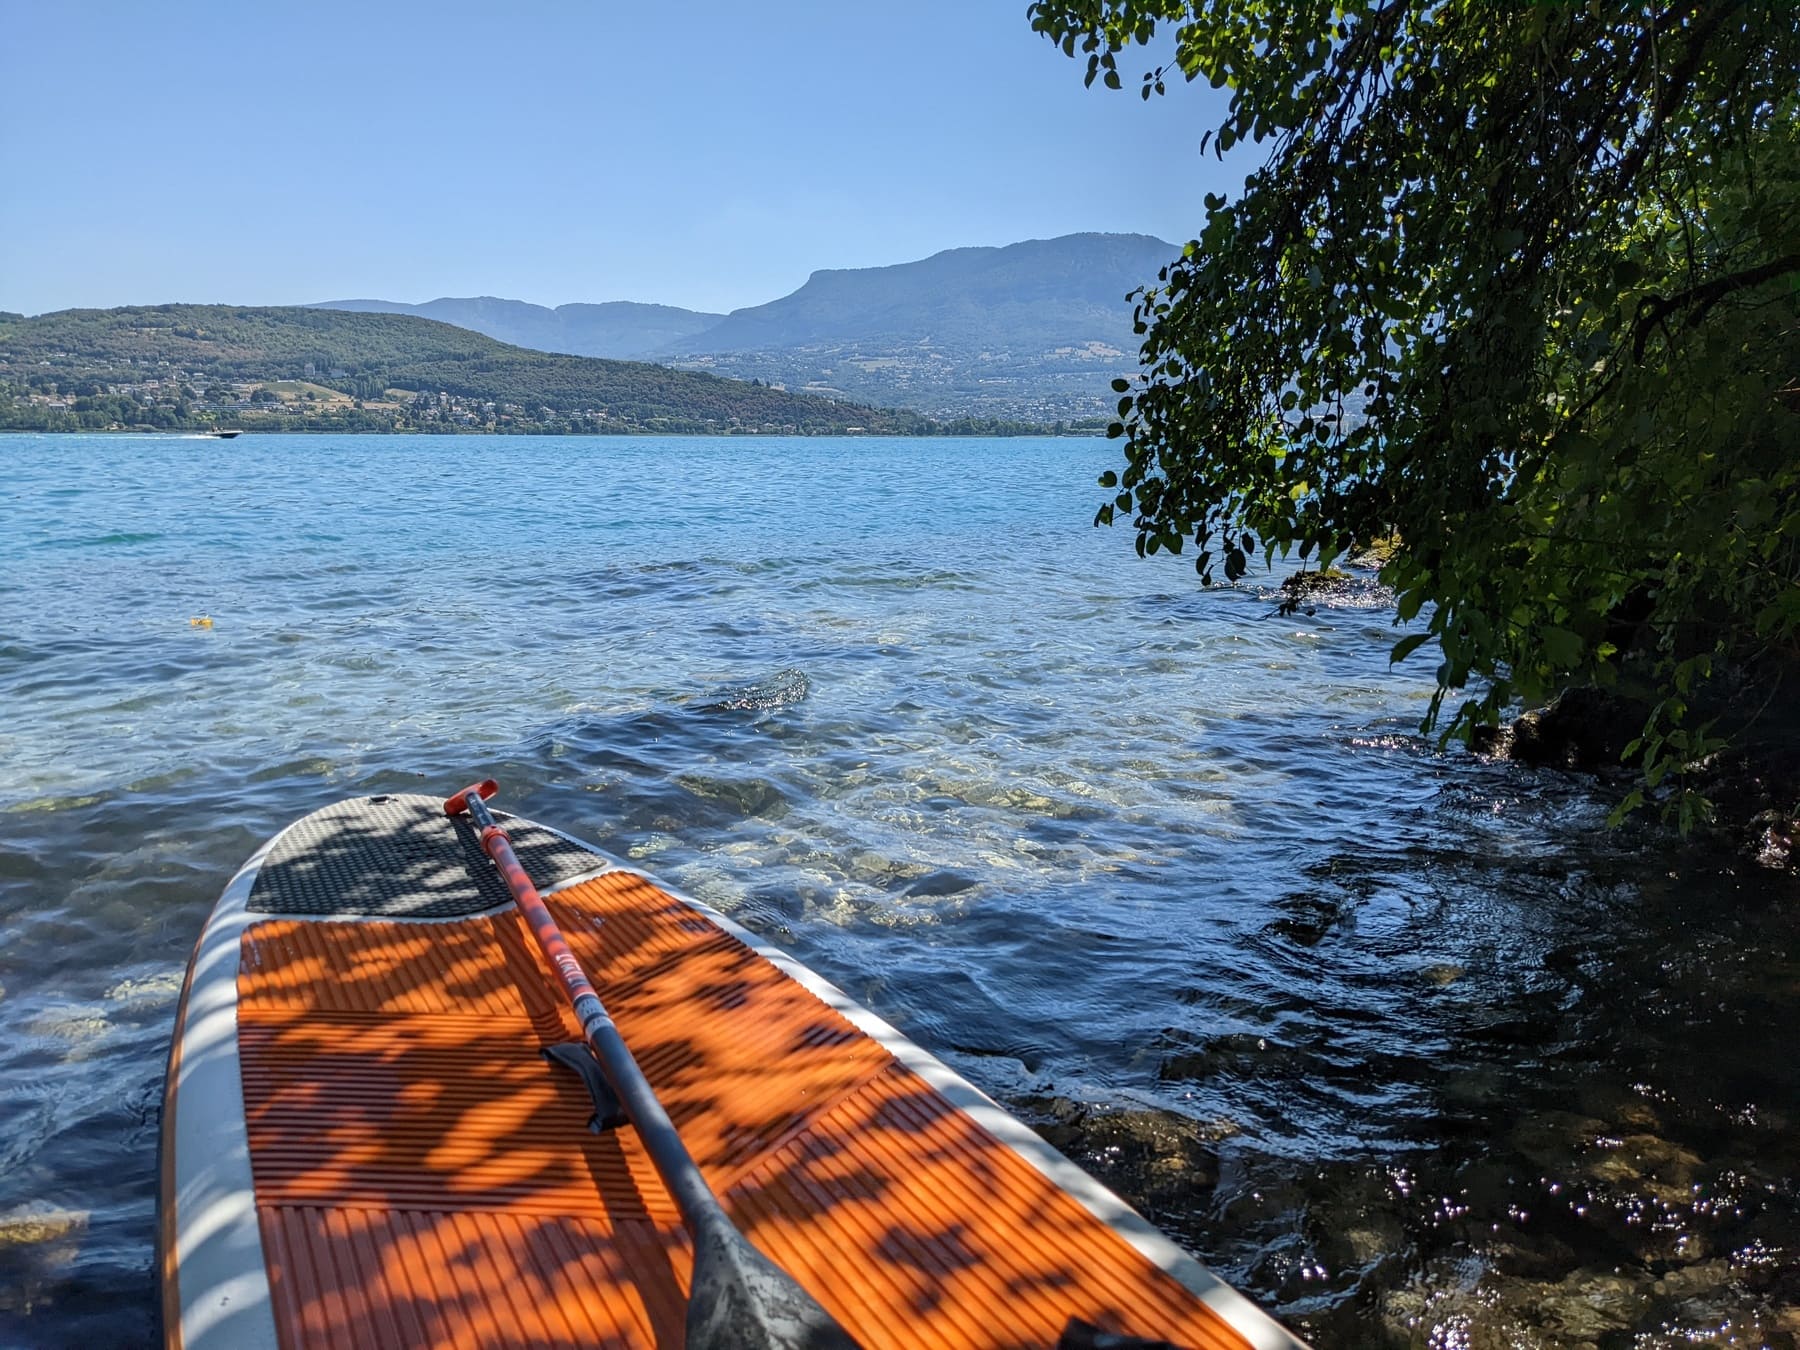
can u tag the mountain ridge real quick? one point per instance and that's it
(622, 330)
(1020, 275)
(1034, 330)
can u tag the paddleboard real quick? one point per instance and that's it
(364, 1144)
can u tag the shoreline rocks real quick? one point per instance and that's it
(1583, 730)
(1754, 788)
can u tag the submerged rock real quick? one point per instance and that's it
(1452, 1303)
(146, 991)
(1333, 589)
(1374, 555)
(1164, 1163)
(38, 1245)
(1315, 581)
(1588, 1304)
(77, 1024)
(652, 844)
(780, 690)
(1703, 1277)
(28, 1227)
(1775, 839)
(1582, 729)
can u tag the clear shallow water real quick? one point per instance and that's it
(1404, 1043)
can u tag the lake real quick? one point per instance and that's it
(1403, 1041)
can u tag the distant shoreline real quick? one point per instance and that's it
(201, 433)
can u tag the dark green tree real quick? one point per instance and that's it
(1515, 282)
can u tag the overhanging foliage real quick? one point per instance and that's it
(1517, 281)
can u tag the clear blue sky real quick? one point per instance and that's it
(701, 154)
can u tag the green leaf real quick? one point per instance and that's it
(1561, 647)
(1631, 802)
(1406, 646)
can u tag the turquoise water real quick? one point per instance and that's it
(1403, 1041)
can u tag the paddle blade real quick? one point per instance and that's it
(741, 1300)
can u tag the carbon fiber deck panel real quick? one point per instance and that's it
(400, 857)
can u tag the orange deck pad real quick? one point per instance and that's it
(424, 1178)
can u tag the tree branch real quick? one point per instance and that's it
(1699, 299)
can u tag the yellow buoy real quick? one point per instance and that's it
(204, 621)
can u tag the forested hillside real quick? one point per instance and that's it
(200, 365)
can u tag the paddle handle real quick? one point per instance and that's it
(455, 806)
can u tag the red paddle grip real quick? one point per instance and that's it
(455, 806)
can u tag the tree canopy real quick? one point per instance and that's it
(1516, 282)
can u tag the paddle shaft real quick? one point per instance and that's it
(738, 1299)
(700, 1208)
